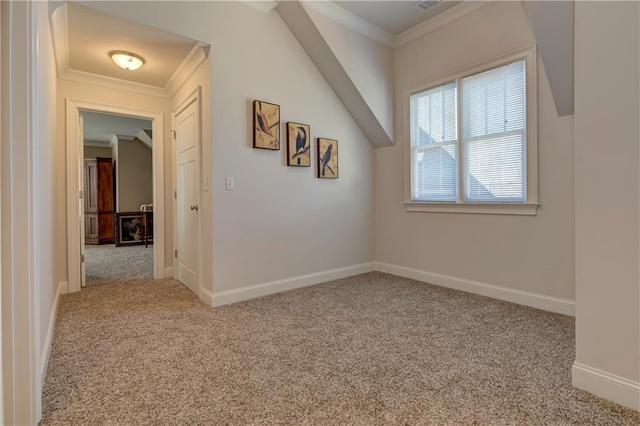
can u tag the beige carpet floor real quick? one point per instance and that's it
(373, 349)
(107, 263)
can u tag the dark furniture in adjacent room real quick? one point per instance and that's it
(98, 201)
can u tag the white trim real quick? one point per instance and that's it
(194, 97)
(605, 385)
(73, 185)
(112, 83)
(373, 32)
(521, 209)
(62, 288)
(528, 53)
(187, 68)
(206, 296)
(60, 35)
(168, 272)
(264, 289)
(534, 300)
(438, 21)
(20, 349)
(351, 21)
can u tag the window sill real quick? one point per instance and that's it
(476, 208)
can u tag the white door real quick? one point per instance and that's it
(187, 128)
(81, 220)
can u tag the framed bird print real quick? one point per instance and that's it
(298, 145)
(327, 158)
(266, 125)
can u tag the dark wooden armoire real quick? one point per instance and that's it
(98, 201)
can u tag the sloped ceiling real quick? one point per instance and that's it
(395, 17)
(99, 128)
(553, 25)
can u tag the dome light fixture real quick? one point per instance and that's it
(126, 60)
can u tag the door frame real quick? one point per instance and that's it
(195, 96)
(73, 108)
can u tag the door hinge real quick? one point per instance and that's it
(82, 258)
(81, 194)
(175, 253)
(173, 132)
(175, 195)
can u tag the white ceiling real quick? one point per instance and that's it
(99, 128)
(394, 17)
(83, 38)
(90, 35)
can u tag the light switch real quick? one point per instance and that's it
(228, 183)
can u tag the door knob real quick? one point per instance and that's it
(194, 207)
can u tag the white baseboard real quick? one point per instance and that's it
(63, 288)
(535, 300)
(600, 383)
(168, 272)
(264, 289)
(206, 296)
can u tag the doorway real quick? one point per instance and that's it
(118, 199)
(75, 184)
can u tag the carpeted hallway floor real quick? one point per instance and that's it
(368, 350)
(106, 264)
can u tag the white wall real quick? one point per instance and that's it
(134, 169)
(279, 222)
(523, 253)
(607, 196)
(106, 96)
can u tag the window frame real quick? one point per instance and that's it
(530, 205)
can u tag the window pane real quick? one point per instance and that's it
(435, 173)
(433, 115)
(493, 135)
(434, 133)
(494, 169)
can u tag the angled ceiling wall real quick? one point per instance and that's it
(369, 120)
(553, 25)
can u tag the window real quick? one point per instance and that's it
(473, 145)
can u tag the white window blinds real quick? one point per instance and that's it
(493, 134)
(434, 143)
(489, 154)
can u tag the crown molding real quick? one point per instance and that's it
(440, 20)
(112, 83)
(367, 29)
(351, 21)
(60, 35)
(187, 68)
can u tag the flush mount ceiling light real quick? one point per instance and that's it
(126, 60)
